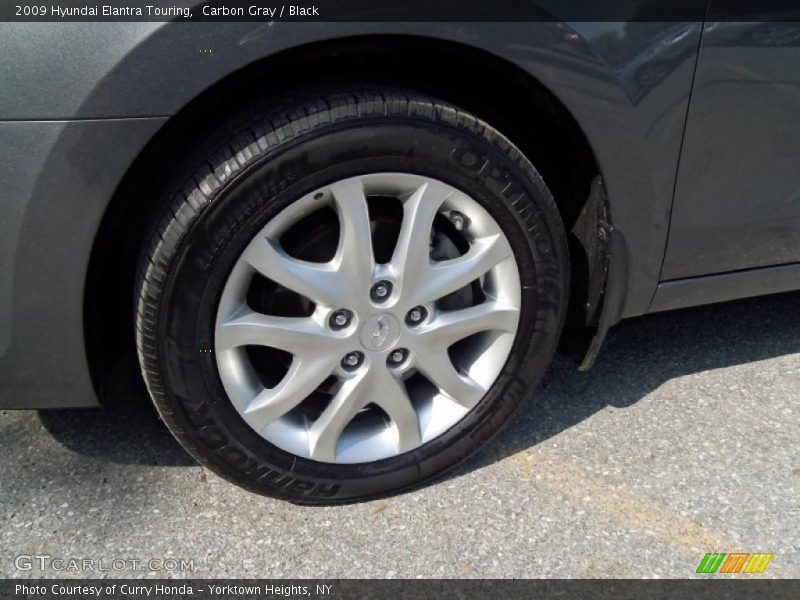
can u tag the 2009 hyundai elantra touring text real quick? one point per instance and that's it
(343, 254)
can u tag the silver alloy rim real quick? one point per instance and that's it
(402, 370)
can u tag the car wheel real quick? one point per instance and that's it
(350, 295)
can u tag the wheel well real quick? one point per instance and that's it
(493, 89)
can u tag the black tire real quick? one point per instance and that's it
(272, 161)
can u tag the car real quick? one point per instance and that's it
(341, 256)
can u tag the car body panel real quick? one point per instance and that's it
(112, 102)
(737, 198)
(77, 168)
(721, 287)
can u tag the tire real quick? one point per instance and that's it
(276, 158)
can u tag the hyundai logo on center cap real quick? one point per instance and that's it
(380, 332)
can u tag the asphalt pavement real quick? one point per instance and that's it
(682, 440)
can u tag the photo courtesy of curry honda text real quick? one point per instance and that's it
(342, 255)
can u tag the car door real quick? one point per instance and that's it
(737, 194)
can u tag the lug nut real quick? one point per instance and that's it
(352, 360)
(340, 319)
(398, 356)
(459, 221)
(416, 315)
(380, 291)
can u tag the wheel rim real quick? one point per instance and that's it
(391, 353)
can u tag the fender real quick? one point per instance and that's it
(120, 98)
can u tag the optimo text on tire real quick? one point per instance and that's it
(350, 295)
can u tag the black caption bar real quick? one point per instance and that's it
(397, 10)
(352, 10)
(254, 589)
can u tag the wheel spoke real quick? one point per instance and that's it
(447, 276)
(354, 253)
(390, 394)
(411, 259)
(435, 364)
(300, 336)
(303, 377)
(324, 434)
(321, 283)
(378, 386)
(451, 326)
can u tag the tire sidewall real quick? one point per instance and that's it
(495, 176)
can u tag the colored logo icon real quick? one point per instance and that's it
(734, 562)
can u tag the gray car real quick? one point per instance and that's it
(341, 255)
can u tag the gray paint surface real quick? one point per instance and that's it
(51, 222)
(737, 197)
(123, 71)
(25, 147)
(694, 291)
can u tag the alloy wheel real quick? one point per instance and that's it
(381, 352)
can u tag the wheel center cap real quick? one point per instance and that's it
(380, 332)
